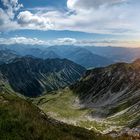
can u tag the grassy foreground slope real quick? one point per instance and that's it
(21, 120)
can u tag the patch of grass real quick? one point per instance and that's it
(61, 104)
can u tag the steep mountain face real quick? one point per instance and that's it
(7, 56)
(21, 120)
(112, 92)
(31, 76)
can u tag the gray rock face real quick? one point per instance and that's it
(112, 91)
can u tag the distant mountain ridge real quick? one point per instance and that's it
(32, 76)
(79, 55)
(117, 54)
(104, 55)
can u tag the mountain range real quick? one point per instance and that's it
(87, 56)
(76, 54)
(105, 99)
(58, 93)
(32, 76)
(116, 54)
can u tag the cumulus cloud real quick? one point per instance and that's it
(34, 21)
(12, 19)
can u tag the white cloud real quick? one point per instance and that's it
(63, 41)
(118, 17)
(7, 15)
(11, 6)
(6, 23)
(70, 41)
(35, 41)
(34, 21)
(21, 40)
(106, 16)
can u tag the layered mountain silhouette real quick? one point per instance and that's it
(79, 55)
(93, 56)
(32, 76)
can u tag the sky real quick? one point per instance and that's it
(70, 22)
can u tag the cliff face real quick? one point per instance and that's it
(31, 76)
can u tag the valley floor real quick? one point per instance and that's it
(64, 106)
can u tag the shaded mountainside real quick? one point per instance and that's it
(20, 120)
(6, 56)
(31, 76)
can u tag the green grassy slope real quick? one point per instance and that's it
(21, 120)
